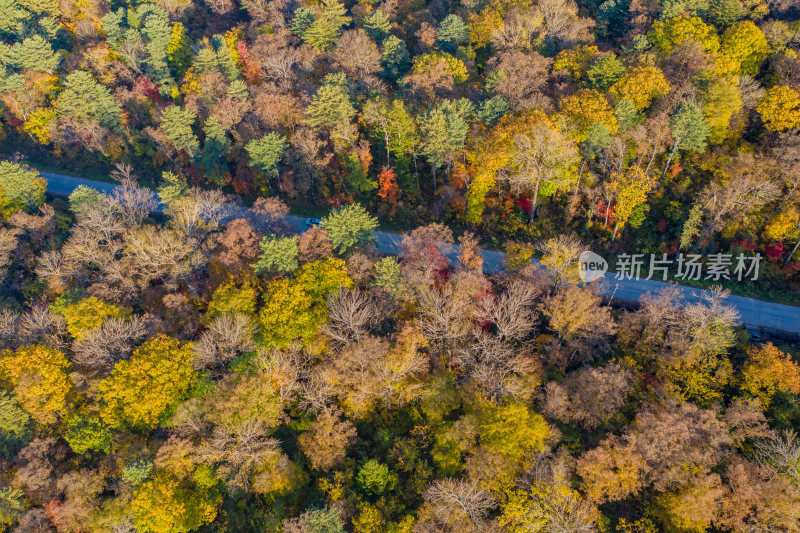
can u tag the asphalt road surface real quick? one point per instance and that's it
(760, 317)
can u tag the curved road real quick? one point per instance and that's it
(760, 317)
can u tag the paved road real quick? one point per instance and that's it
(758, 316)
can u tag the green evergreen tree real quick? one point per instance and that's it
(137, 472)
(395, 57)
(115, 25)
(605, 72)
(443, 131)
(724, 13)
(597, 139)
(627, 114)
(265, 153)
(302, 20)
(172, 189)
(85, 100)
(387, 274)
(452, 33)
(324, 30)
(225, 61)
(176, 123)
(692, 225)
(491, 110)
(83, 199)
(278, 254)
(321, 34)
(12, 18)
(374, 478)
(435, 138)
(330, 107)
(322, 521)
(14, 426)
(349, 226)
(35, 53)
(689, 129)
(27, 18)
(238, 89)
(212, 157)
(20, 188)
(403, 131)
(612, 18)
(157, 33)
(335, 12)
(205, 60)
(377, 25)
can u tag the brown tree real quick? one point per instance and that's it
(352, 313)
(583, 326)
(750, 187)
(447, 314)
(229, 112)
(757, 501)
(278, 110)
(374, 371)
(588, 396)
(513, 312)
(314, 244)
(154, 254)
(326, 441)
(227, 336)
(179, 456)
(113, 341)
(80, 501)
(36, 474)
(521, 78)
(745, 418)
(424, 251)
(8, 242)
(455, 505)
(469, 253)
(237, 249)
(668, 447)
(357, 54)
(496, 369)
(247, 458)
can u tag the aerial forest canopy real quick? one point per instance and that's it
(177, 355)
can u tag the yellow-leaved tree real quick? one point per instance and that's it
(295, 309)
(584, 108)
(667, 35)
(547, 507)
(488, 155)
(529, 153)
(769, 370)
(576, 60)
(641, 85)
(141, 390)
(39, 377)
(512, 430)
(168, 505)
(722, 100)
(746, 43)
(629, 190)
(780, 108)
(88, 314)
